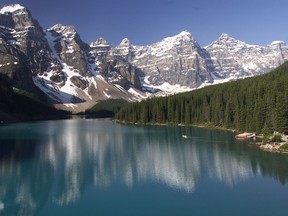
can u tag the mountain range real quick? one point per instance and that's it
(74, 75)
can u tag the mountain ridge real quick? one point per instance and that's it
(255, 104)
(75, 75)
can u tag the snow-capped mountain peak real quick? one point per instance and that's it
(277, 43)
(68, 32)
(124, 49)
(11, 8)
(77, 75)
(60, 28)
(226, 40)
(234, 59)
(100, 42)
(225, 36)
(185, 33)
(125, 43)
(183, 36)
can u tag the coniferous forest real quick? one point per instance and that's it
(253, 104)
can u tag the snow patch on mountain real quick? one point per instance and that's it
(178, 64)
(234, 59)
(277, 43)
(167, 88)
(75, 74)
(11, 8)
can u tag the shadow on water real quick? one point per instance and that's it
(18, 150)
(24, 186)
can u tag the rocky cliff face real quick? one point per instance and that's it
(234, 59)
(24, 50)
(179, 64)
(177, 60)
(75, 75)
(69, 48)
(116, 69)
(55, 61)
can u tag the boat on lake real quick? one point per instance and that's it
(245, 135)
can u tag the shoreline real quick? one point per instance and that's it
(269, 147)
(208, 126)
(274, 148)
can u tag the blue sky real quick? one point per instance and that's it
(148, 21)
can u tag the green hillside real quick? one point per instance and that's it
(251, 104)
(106, 108)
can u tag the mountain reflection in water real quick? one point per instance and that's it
(60, 159)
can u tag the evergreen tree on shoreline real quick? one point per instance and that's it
(248, 104)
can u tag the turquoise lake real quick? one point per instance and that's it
(99, 167)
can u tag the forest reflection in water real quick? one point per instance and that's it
(58, 160)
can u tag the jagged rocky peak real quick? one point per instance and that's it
(125, 43)
(68, 37)
(227, 39)
(227, 42)
(17, 17)
(100, 47)
(11, 8)
(183, 42)
(70, 71)
(23, 36)
(277, 43)
(100, 42)
(185, 33)
(70, 48)
(125, 49)
(183, 36)
(225, 36)
(176, 60)
(62, 29)
(233, 59)
(68, 31)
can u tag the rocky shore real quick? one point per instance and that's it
(275, 147)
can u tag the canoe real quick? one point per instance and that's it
(245, 135)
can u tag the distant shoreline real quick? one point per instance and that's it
(275, 148)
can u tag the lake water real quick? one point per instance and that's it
(98, 167)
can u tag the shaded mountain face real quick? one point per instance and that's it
(23, 48)
(56, 62)
(74, 75)
(6, 93)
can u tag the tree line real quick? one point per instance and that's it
(253, 104)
